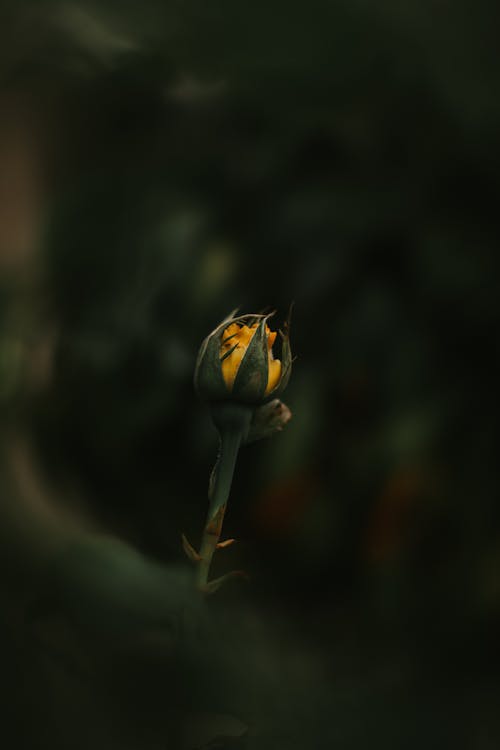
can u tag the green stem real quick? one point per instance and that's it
(211, 536)
(233, 423)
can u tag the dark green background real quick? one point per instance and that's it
(202, 156)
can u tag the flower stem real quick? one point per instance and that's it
(211, 536)
(233, 427)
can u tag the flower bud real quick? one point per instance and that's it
(236, 362)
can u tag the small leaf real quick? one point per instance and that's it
(190, 550)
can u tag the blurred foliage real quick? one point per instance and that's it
(164, 163)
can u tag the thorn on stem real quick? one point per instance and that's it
(226, 543)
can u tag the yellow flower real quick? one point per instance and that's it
(235, 341)
(236, 363)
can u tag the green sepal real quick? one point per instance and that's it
(286, 359)
(209, 381)
(251, 379)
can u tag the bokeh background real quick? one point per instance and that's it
(160, 164)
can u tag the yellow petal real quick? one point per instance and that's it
(274, 374)
(271, 338)
(238, 337)
(231, 330)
